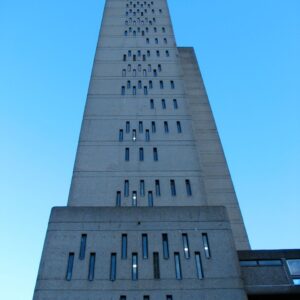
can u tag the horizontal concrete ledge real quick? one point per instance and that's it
(139, 214)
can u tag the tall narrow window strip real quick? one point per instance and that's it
(175, 104)
(165, 246)
(121, 135)
(70, 266)
(147, 135)
(199, 265)
(206, 245)
(177, 266)
(127, 154)
(141, 154)
(186, 248)
(179, 129)
(141, 127)
(142, 188)
(151, 104)
(157, 188)
(113, 266)
(134, 198)
(127, 126)
(82, 246)
(150, 199)
(188, 187)
(124, 246)
(169, 297)
(146, 298)
(118, 199)
(153, 127)
(166, 127)
(173, 187)
(134, 267)
(92, 266)
(145, 246)
(124, 298)
(155, 154)
(156, 269)
(126, 188)
(163, 104)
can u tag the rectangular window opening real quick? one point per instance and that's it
(177, 266)
(145, 246)
(113, 266)
(92, 266)
(155, 154)
(165, 246)
(82, 246)
(134, 266)
(127, 154)
(199, 265)
(157, 188)
(156, 265)
(142, 188)
(150, 199)
(118, 199)
(188, 187)
(124, 246)
(126, 188)
(206, 245)
(186, 248)
(70, 266)
(173, 187)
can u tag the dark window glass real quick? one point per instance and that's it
(163, 103)
(198, 265)
(273, 262)
(166, 127)
(122, 297)
(92, 266)
(206, 245)
(127, 154)
(82, 246)
(134, 135)
(134, 198)
(157, 53)
(129, 51)
(294, 266)
(153, 127)
(128, 84)
(154, 73)
(70, 266)
(150, 199)
(127, 127)
(141, 154)
(169, 297)
(167, 53)
(147, 135)
(134, 90)
(188, 187)
(113, 266)
(151, 103)
(155, 154)
(159, 68)
(121, 135)
(126, 188)
(123, 90)
(145, 73)
(186, 248)
(173, 187)
(145, 90)
(148, 53)
(118, 199)
(139, 84)
(146, 297)
(157, 188)
(134, 266)
(145, 246)
(179, 130)
(156, 270)
(248, 263)
(150, 85)
(165, 41)
(165, 246)
(124, 246)
(177, 266)
(124, 57)
(142, 188)
(175, 104)
(161, 84)
(134, 57)
(144, 57)
(156, 41)
(172, 84)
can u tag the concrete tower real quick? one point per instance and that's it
(152, 212)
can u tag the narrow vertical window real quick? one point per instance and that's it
(173, 187)
(206, 245)
(198, 265)
(141, 154)
(92, 266)
(161, 84)
(113, 266)
(70, 266)
(147, 135)
(139, 84)
(82, 246)
(134, 73)
(175, 104)
(134, 90)
(141, 127)
(142, 188)
(129, 51)
(124, 246)
(153, 127)
(123, 90)
(179, 130)
(156, 270)
(165, 41)
(145, 90)
(124, 298)
(166, 127)
(159, 68)
(127, 154)
(156, 41)
(157, 53)
(167, 53)
(154, 73)
(169, 297)
(150, 85)
(121, 135)
(151, 104)
(134, 135)
(163, 104)
(134, 267)
(155, 154)
(118, 199)
(126, 188)
(148, 53)
(177, 266)
(124, 57)
(128, 84)
(149, 68)
(134, 198)
(186, 248)
(134, 57)
(129, 68)
(127, 126)
(124, 72)
(146, 298)
(150, 199)
(145, 246)
(165, 246)
(144, 57)
(172, 84)
(145, 73)
(157, 188)
(188, 187)
(147, 41)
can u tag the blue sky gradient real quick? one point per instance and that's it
(248, 52)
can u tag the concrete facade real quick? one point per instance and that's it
(152, 212)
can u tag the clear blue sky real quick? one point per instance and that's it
(248, 52)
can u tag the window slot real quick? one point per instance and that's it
(146, 298)
(121, 135)
(147, 135)
(123, 90)
(166, 127)
(134, 135)
(175, 104)
(70, 266)
(142, 188)
(141, 154)
(145, 90)
(113, 266)
(161, 84)
(165, 246)
(145, 246)
(134, 198)
(127, 126)
(118, 199)
(126, 188)
(92, 266)
(188, 187)
(173, 187)
(163, 104)
(124, 298)
(134, 267)
(151, 104)
(123, 73)
(159, 68)
(124, 246)
(155, 154)
(127, 154)
(177, 266)
(157, 188)
(153, 127)
(82, 246)
(169, 297)
(156, 270)
(150, 199)
(186, 248)
(179, 129)
(199, 265)
(172, 84)
(206, 245)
